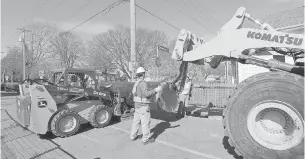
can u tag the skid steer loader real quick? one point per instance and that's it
(264, 116)
(68, 99)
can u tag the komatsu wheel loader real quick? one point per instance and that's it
(264, 116)
(69, 98)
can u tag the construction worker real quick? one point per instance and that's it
(142, 107)
(184, 97)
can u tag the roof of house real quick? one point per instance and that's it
(286, 18)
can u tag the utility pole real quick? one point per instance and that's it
(157, 66)
(23, 51)
(133, 58)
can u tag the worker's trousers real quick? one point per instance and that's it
(182, 103)
(141, 118)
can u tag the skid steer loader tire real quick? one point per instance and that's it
(65, 123)
(264, 117)
(100, 116)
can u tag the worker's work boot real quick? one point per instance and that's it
(137, 137)
(151, 140)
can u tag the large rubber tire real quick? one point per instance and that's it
(278, 86)
(58, 117)
(94, 115)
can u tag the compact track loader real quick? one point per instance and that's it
(264, 116)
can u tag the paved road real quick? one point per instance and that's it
(188, 138)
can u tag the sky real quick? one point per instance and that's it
(209, 15)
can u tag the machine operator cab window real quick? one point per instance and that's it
(57, 78)
(74, 80)
(81, 80)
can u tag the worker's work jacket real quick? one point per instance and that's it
(141, 94)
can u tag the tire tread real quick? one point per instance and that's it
(55, 119)
(234, 94)
(92, 114)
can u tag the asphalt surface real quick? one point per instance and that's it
(187, 138)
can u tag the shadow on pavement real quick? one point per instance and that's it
(160, 128)
(164, 116)
(229, 148)
(83, 128)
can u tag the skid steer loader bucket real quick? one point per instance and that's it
(23, 103)
(35, 107)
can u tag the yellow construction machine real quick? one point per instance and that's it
(264, 116)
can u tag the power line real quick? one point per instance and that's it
(158, 17)
(191, 18)
(81, 8)
(117, 3)
(184, 4)
(201, 11)
(106, 10)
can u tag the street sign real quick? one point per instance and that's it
(41, 74)
(158, 62)
(162, 48)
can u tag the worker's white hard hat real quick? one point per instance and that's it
(140, 70)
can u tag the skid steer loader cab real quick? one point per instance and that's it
(62, 103)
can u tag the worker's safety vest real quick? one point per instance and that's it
(137, 98)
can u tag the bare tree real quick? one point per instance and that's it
(169, 67)
(37, 47)
(68, 47)
(114, 46)
(11, 64)
(99, 58)
(37, 43)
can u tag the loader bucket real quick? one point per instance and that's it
(168, 99)
(23, 105)
(35, 107)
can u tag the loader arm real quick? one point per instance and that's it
(232, 40)
(234, 43)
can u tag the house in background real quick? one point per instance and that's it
(290, 21)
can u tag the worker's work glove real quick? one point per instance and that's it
(163, 84)
(158, 89)
(172, 87)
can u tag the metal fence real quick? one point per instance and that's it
(204, 94)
